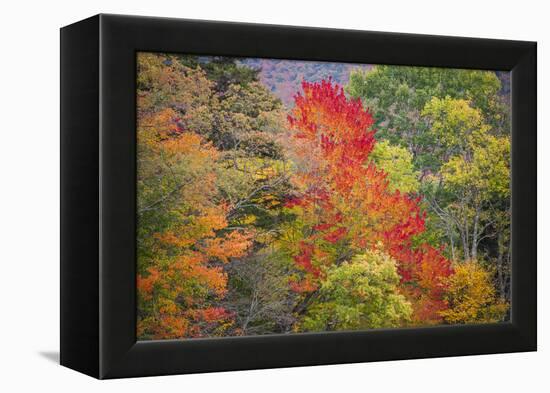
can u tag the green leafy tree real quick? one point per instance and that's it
(452, 123)
(397, 95)
(396, 162)
(222, 70)
(475, 179)
(360, 294)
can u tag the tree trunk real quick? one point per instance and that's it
(301, 307)
(475, 234)
(465, 247)
(451, 240)
(465, 232)
(500, 267)
(508, 270)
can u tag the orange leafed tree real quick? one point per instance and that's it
(186, 233)
(344, 202)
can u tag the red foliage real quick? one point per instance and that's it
(335, 235)
(349, 196)
(303, 259)
(214, 315)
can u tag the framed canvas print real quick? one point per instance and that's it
(239, 196)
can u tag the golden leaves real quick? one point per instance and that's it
(471, 296)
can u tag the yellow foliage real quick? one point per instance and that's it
(471, 296)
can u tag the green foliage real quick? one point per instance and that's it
(361, 294)
(393, 87)
(452, 123)
(396, 161)
(474, 180)
(223, 71)
(397, 95)
(246, 118)
(484, 172)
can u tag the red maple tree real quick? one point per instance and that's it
(345, 201)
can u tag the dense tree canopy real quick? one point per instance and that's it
(398, 94)
(387, 206)
(456, 125)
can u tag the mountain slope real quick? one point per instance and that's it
(284, 77)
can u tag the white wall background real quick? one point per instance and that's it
(29, 194)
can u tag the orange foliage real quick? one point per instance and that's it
(233, 245)
(184, 276)
(145, 284)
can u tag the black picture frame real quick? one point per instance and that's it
(98, 196)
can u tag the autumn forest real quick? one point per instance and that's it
(279, 196)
